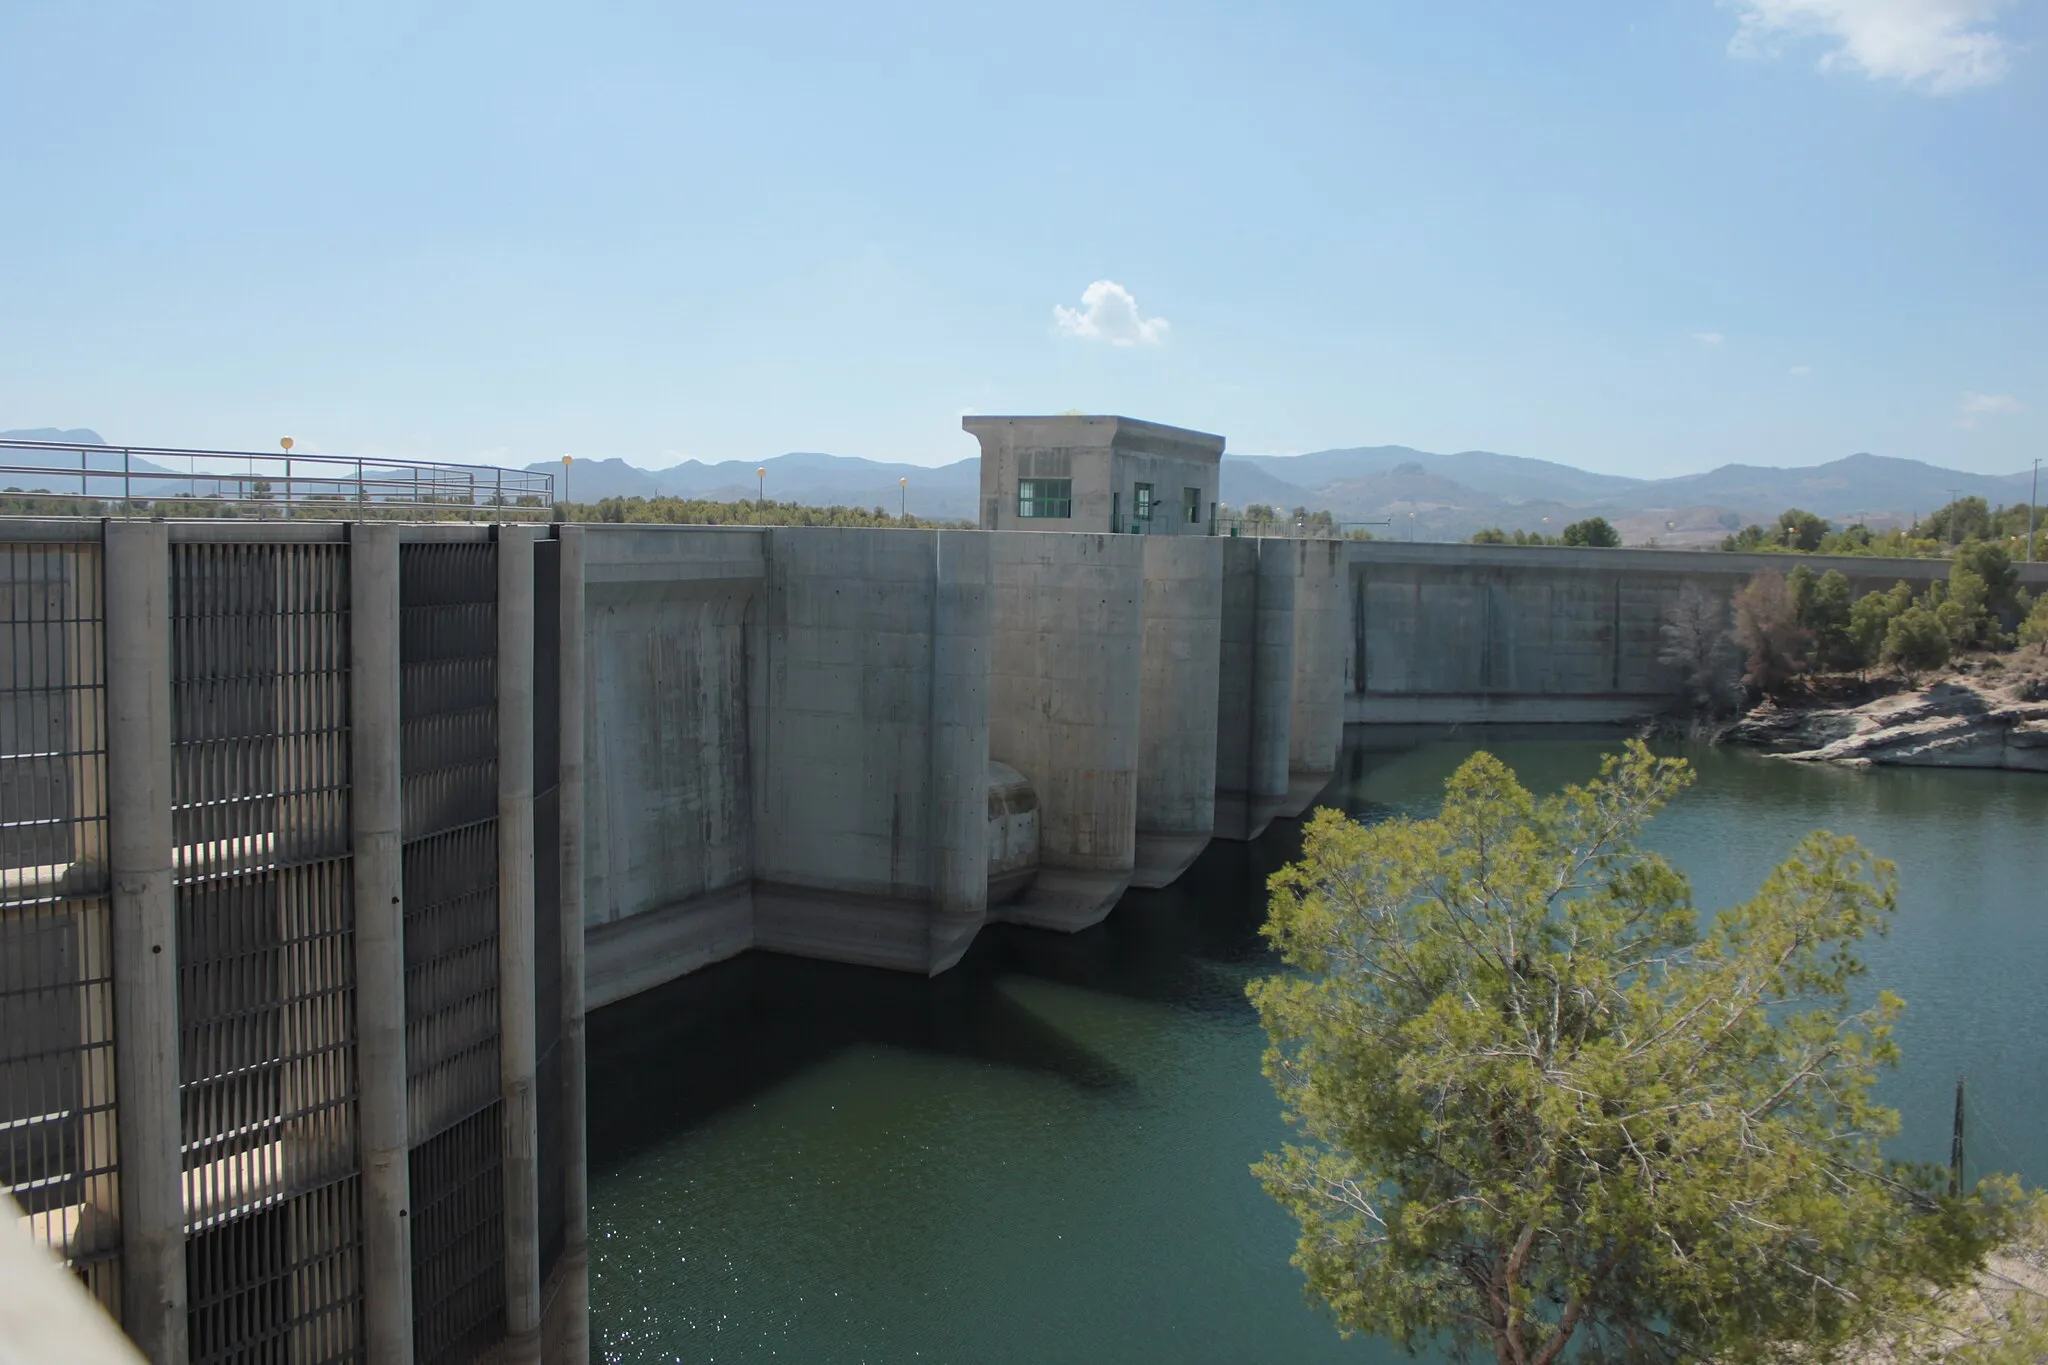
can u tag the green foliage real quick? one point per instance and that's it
(1870, 619)
(1540, 1111)
(1593, 531)
(1958, 521)
(1492, 535)
(702, 512)
(1749, 539)
(1916, 641)
(1994, 565)
(1850, 540)
(1824, 613)
(1800, 530)
(2034, 629)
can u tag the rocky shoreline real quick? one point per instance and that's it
(1957, 721)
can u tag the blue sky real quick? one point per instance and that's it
(1641, 237)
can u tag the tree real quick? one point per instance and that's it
(2034, 630)
(1825, 615)
(1541, 1112)
(1871, 617)
(1694, 639)
(1767, 630)
(1592, 531)
(1800, 530)
(1749, 538)
(1993, 564)
(1492, 535)
(1916, 642)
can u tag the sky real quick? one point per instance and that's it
(1644, 238)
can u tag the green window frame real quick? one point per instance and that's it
(1045, 497)
(1141, 502)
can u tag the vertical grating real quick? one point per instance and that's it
(458, 1239)
(448, 644)
(448, 656)
(549, 1108)
(57, 1150)
(266, 982)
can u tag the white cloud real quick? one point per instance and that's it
(1940, 46)
(1802, 369)
(1109, 313)
(1975, 405)
(1708, 338)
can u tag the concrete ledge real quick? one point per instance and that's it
(866, 930)
(1478, 708)
(1302, 790)
(1067, 899)
(628, 956)
(1161, 858)
(1242, 818)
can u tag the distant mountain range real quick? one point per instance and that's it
(1413, 492)
(1433, 497)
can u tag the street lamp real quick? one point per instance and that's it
(760, 490)
(565, 478)
(2033, 498)
(903, 495)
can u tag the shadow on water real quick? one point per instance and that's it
(673, 1057)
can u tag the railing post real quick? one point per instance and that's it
(380, 939)
(137, 567)
(517, 1044)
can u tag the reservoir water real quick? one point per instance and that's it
(1041, 1155)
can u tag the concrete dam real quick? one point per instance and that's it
(319, 838)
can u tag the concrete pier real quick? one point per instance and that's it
(572, 1345)
(959, 687)
(1255, 685)
(1322, 670)
(139, 832)
(377, 812)
(862, 803)
(1177, 727)
(516, 1036)
(1064, 712)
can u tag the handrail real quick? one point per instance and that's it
(145, 479)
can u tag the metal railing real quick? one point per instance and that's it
(57, 478)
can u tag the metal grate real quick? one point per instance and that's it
(448, 652)
(57, 1148)
(259, 762)
(458, 1240)
(451, 977)
(448, 646)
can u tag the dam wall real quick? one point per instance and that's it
(1505, 634)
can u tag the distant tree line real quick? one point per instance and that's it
(1781, 626)
(704, 512)
(1593, 531)
(1266, 520)
(1935, 536)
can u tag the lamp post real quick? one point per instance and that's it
(903, 498)
(760, 491)
(565, 479)
(2033, 498)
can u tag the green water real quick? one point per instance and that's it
(1041, 1155)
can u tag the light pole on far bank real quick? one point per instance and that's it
(760, 492)
(903, 503)
(565, 480)
(2032, 498)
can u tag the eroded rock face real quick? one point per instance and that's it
(1954, 723)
